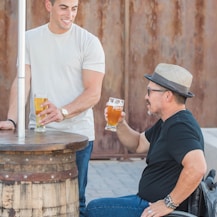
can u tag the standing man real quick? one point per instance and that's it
(174, 147)
(67, 63)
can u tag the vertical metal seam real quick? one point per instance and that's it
(126, 56)
(126, 63)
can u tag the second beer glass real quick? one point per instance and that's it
(114, 109)
(38, 100)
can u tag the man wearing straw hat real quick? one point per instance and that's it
(67, 63)
(173, 146)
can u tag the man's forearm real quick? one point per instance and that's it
(190, 177)
(13, 98)
(12, 111)
(127, 136)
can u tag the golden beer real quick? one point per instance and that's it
(114, 113)
(114, 109)
(38, 101)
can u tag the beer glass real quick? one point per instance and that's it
(114, 109)
(39, 99)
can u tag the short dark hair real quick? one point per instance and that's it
(179, 98)
(52, 1)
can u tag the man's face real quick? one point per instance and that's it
(62, 15)
(154, 98)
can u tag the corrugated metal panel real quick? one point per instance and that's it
(136, 36)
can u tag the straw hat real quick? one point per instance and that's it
(172, 77)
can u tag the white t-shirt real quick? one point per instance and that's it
(57, 61)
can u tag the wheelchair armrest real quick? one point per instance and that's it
(180, 214)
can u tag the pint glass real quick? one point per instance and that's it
(39, 99)
(114, 109)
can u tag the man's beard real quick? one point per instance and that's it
(149, 113)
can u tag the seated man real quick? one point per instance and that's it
(174, 147)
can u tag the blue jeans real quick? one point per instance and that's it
(127, 206)
(82, 160)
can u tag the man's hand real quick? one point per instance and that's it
(51, 112)
(6, 125)
(157, 209)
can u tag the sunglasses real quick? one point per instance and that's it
(156, 90)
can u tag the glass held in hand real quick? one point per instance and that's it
(39, 99)
(114, 108)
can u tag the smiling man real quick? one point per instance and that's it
(67, 63)
(62, 15)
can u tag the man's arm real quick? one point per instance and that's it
(131, 139)
(92, 82)
(194, 168)
(12, 111)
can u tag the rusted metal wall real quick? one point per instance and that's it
(179, 32)
(136, 36)
(8, 44)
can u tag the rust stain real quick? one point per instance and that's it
(177, 21)
(152, 19)
(102, 17)
(199, 53)
(199, 33)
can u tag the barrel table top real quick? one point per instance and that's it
(38, 141)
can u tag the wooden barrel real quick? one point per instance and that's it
(38, 177)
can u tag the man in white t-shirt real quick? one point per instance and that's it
(67, 63)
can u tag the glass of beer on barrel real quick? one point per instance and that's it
(114, 108)
(39, 99)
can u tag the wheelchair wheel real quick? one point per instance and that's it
(180, 214)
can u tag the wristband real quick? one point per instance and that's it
(15, 126)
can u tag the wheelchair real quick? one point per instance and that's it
(202, 201)
(180, 214)
(196, 206)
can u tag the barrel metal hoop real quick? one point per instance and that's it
(39, 177)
